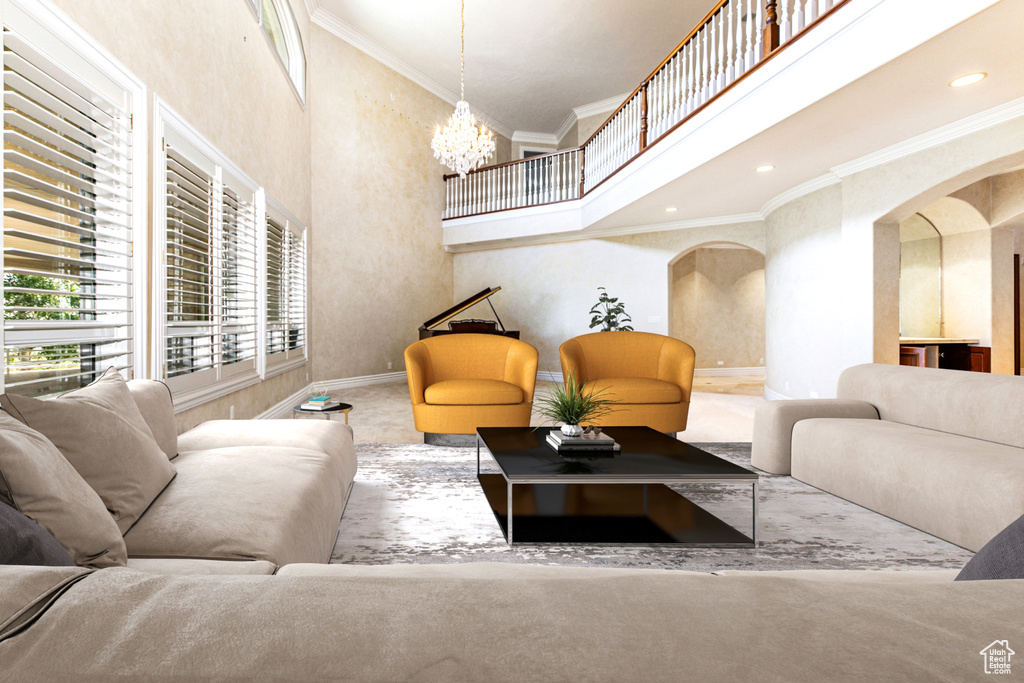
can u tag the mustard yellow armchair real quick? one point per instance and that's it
(458, 382)
(649, 376)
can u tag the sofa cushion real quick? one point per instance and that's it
(153, 400)
(1001, 558)
(22, 541)
(959, 489)
(186, 567)
(636, 390)
(39, 482)
(473, 392)
(327, 436)
(272, 503)
(101, 432)
(975, 404)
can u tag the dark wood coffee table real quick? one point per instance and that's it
(603, 499)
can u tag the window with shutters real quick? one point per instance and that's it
(72, 210)
(286, 289)
(211, 298)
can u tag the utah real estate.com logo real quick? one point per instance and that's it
(997, 657)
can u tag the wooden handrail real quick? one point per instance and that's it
(449, 176)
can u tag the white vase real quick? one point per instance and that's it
(572, 430)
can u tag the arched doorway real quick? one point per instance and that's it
(717, 305)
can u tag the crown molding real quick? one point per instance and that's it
(800, 190)
(531, 138)
(567, 123)
(972, 124)
(335, 26)
(606, 106)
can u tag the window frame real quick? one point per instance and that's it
(53, 34)
(296, 73)
(194, 389)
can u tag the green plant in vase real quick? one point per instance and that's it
(572, 404)
(610, 314)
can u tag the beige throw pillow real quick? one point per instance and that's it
(101, 432)
(39, 482)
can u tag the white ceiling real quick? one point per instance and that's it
(528, 62)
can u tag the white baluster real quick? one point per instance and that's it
(730, 42)
(713, 56)
(723, 48)
(704, 66)
(758, 34)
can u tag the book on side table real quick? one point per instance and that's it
(319, 405)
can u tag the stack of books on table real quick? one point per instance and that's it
(319, 403)
(585, 443)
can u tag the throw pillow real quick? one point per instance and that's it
(36, 480)
(22, 541)
(101, 432)
(1000, 558)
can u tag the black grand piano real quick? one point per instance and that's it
(495, 326)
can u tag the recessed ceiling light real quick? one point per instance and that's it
(671, 209)
(969, 79)
(765, 168)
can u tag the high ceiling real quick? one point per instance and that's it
(528, 62)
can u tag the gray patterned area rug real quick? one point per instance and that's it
(415, 503)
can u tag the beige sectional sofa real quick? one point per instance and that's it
(940, 450)
(500, 622)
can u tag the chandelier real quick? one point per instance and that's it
(460, 145)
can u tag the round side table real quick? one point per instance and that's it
(329, 414)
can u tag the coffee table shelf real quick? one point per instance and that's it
(606, 500)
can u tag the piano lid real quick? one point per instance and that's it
(459, 308)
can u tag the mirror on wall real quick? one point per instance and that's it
(920, 278)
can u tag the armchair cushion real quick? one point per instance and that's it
(473, 392)
(636, 390)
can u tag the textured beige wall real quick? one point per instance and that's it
(571, 137)
(588, 125)
(210, 62)
(548, 289)
(718, 306)
(378, 269)
(804, 323)
(966, 285)
(921, 288)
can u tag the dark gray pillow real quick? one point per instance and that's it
(1001, 558)
(22, 541)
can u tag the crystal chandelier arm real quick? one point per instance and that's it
(462, 53)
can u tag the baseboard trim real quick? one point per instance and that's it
(729, 372)
(284, 408)
(774, 395)
(545, 376)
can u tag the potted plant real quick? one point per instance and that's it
(607, 313)
(572, 404)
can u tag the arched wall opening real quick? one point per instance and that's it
(959, 281)
(717, 305)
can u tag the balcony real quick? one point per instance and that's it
(807, 85)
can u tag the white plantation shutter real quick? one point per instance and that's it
(191, 341)
(67, 218)
(296, 264)
(277, 289)
(210, 275)
(239, 308)
(286, 288)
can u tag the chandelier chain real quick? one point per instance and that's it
(462, 53)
